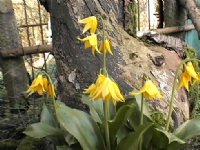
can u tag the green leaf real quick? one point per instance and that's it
(81, 126)
(69, 138)
(63, 147)
(147, 137)
(47, 116)
(41, 130)
(119, 120)
(175, 146)
(189, 129)
(134, 119)
(122, 133)
(159, 140)
(145, 107)
(131, 142)
(72, 147)
(96, 108)
(163, 139)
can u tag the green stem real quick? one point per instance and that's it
(107, 117)
(173, 91)
(141, 119)
(104, 51)
(142, 109)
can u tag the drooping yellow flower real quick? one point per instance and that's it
(51, 90)
(105, 46)
(105, 89)
(38, 85)
(42, 85)
(91, 41)
(187, 76)
(90, 24)
(149, 90)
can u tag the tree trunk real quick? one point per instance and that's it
(14, 72)
(174, 15)
(193, 12)
(78, 68)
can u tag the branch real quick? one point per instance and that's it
(25, 51)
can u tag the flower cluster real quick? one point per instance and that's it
(91, 41)
(42, 85)
(104, 88)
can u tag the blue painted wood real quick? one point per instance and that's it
(192, 39)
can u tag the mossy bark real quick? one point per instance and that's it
(14, 72)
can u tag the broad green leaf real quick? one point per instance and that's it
(175, 146)
(81, 126)
(41, 130)
(134, 119)
(163, 139)
(69, 138)
(96, 108)
(119, 120)
(145, 107)
(159, 140)
(189, 129)
(66, 147)
(122, 133)
(147, 137)
(63, 147)
(47, 116)
(131, 142)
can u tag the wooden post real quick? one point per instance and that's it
(14, 72)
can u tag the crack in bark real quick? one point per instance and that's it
(86, 4)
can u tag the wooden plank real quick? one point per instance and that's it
(25, 51)
(169, 30)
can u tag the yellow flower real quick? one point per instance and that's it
(38, 85)
(51, 90)
(90, 24)
(91, 41)
(149, 90)
(105, 46)
(105, 89)
(41, 85)
(187, 76)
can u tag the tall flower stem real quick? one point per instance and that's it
(142, 109)
(53, 98)
(107, 117)
(173, 91)
(104, 51)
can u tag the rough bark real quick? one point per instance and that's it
(14, 72)
(174, 15)
(78, 68)
(193, 12)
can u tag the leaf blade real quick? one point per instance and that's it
(81, 126)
